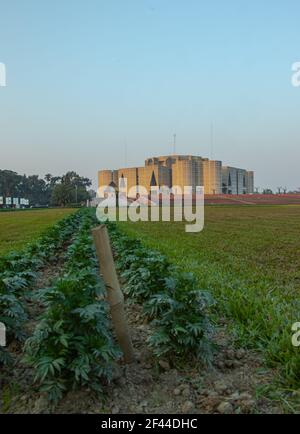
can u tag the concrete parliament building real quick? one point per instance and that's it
(183, 170)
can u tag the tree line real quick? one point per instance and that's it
(62, 190)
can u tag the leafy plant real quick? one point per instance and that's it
(181, 324)
(19, 270)
(72, 346)
(146, 275)
(172, 299)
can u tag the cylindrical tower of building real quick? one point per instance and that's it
(182, 173)
(105, 177)
(212, 176)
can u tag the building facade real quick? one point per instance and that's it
(180, 171)
(212, 177)
(237, 181)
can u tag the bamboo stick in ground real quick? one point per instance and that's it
(114, 294)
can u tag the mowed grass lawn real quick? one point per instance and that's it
(249, 258)
(20, 227)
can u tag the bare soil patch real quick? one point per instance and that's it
(152, 386)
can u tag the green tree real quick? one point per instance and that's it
(9, 183)
(71, 189)
(62, 194)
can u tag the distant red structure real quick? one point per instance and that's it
(253, 199)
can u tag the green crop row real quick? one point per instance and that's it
(72, 345)
(172, 300)
(18, 272)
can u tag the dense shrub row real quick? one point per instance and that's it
(171, 299)
(72, 346)
(19, 270)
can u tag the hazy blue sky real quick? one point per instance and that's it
(85, 78)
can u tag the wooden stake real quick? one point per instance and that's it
(114, 294)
